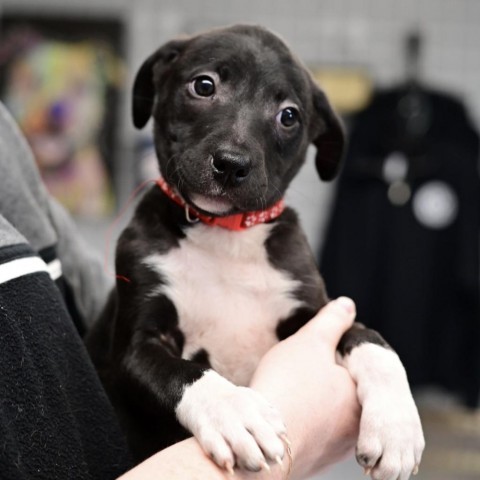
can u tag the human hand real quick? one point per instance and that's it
(316, 397)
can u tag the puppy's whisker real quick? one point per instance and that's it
(300, 194)
(278, 190)
(264, 202)
(169, 162)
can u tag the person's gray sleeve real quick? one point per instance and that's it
(82, 269)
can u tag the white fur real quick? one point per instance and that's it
(233, 424)
(228, 297)
(390, 426)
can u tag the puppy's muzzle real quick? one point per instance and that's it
(230, 168)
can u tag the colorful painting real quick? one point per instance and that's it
(58, 91)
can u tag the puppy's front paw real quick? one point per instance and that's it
(391, 442)
(234, 425)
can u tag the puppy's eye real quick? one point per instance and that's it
(288, 117)
(204, 86)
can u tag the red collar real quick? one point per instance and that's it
(239, 221)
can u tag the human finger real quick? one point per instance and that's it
(332, 321)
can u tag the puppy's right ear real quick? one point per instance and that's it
(144, 87)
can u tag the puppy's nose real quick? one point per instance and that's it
(231, 167)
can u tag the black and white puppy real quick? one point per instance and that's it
(219, 271)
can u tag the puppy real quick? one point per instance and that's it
(214, 270)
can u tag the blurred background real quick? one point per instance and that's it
(398, 231)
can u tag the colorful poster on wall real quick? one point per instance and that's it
(62, 87)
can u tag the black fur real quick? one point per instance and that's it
(357, 335)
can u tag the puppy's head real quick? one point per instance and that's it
(234, 112)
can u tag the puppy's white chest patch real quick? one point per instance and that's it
(228, 297)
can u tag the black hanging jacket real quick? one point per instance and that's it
(412, 264)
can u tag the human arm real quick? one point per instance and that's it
(321, 418)
(82, 267)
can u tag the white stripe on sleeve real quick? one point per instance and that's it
(20, 267)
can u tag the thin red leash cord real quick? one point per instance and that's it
(113, 226)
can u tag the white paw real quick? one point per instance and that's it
(390, 442)
(234, 425)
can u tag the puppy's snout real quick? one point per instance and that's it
(230, 167)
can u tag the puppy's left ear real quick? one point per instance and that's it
(144, 86)
(330, 137)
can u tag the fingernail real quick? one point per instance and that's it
(284, 437)
(367, 470)
(265, 466)
(229, 469)
(347, 304)
(279, 461)
(415, 470)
